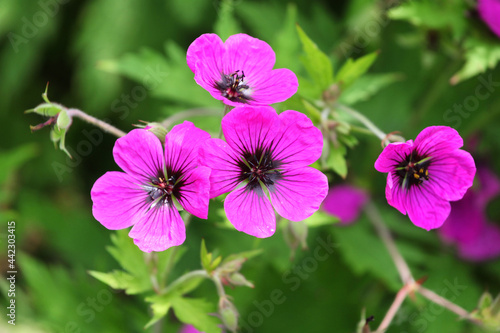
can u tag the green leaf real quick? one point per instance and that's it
(13, 159)
(336, 160)
(317, 63)
(132, 260)
(287, 44)
(226, 24)
(197, 313)
(59, 135)
(353, 69)
(313, 112)
(480, 55)
(160, 306)
(121, 280)
(242, 255)
(319, 219)
(429, 13)
(366, 87)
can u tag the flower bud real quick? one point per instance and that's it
(237, 279)
(228, 313)
(156, 128)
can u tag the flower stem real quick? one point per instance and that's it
(432, 296)
(364, 120)
(75, 113)
(385, 235)
(389, 316)
(180, 280)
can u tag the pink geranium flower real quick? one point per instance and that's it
(265, 152)
(239, 71)
(143, 196)
(345, 202)
(476, 238)
(489, 11)
(426, 174)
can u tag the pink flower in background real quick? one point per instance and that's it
(426, 174)
(265, 152)
(189, 329)
(143, 196)
(239, 71)
(476, 238)
(345, 202)
(489, 11)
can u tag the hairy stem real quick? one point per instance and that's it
(432, 296)
(389, 316)
(75, 113)
(186, 277)
(364, 120)
(385, 235)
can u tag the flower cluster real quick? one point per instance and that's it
(263, 163)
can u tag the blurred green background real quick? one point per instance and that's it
(124, 61)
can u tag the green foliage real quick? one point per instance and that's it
(318, 65)
(206, 259)
(136, 277)
(353, 69)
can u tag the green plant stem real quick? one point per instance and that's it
(364, 120)
(389, 316)
(75, 113)
(180, 280)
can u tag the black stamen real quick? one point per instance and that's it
(233, 88)
(413, 170)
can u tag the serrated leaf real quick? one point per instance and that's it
(480, 55)
(336, 160)
(160, 307)
(121, 280)
(317, 63)
(365, 87)
(197, 313)
(353, 69)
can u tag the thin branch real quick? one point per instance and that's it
(364, 120)
(389, 316)
(385, 235)
(432, 296)
(75, 113)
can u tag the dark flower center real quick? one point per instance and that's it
(233, 87)
(259, 168)
(161, 189)
(413, 170)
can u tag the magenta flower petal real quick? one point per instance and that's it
(468, 227)
(345, 202)
(139, 154)
(181, 147)
(250, 211)
(250, 129)
(298, 141)
(239, 71)
(144, 195)
(189, 329)
(305, 188)
(485, 247)
(424, 209)
(195, 192)
(218, 156)
(268, 152)
(391, 154)
(159, 229)
(489, 11)
(425, 174)
(117, 200)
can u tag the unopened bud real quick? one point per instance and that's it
(237, 279)
(47, 109)
(156, 128)
(228, 314)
